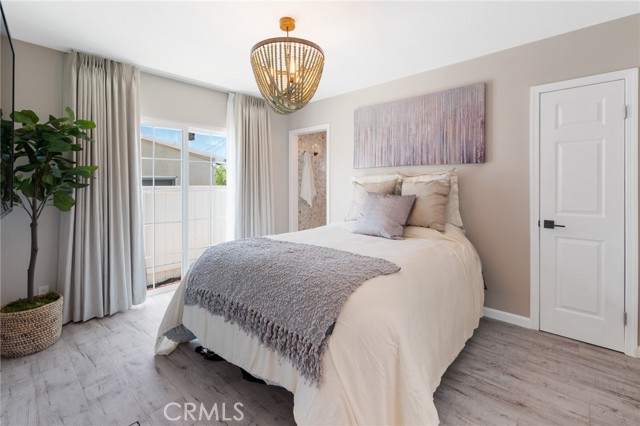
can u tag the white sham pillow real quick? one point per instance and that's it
(362, 185)
(453, 207)
(430, 208)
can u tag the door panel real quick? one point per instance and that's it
(579, 177)
(580, 272)
(582, 189)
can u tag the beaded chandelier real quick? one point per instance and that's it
(287, 69)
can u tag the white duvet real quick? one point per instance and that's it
(393, 340)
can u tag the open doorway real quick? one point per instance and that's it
(308, 177)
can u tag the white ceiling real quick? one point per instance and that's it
(365, 43)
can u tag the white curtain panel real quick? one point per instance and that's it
(232, 165)
(253, 187)
(101, 261)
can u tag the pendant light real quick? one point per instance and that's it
(287, 69)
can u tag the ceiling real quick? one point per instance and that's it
(365, 43)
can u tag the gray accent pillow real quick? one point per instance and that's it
(432, 198)
(384, 215)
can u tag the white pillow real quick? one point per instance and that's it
(453, 208)
(362, 185)
(432, 199)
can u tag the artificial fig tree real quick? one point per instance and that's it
(44, 173)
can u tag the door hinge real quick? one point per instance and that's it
(625, 318)
(626, 111)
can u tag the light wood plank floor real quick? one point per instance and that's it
(104, 372)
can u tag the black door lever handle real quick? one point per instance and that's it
(550, 224)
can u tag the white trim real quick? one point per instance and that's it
(184, 185)
(631, 211)
(293, 171)
(630, 77)
(508, 317)
(534, 212)
(179, 125)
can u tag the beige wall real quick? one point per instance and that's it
(39, 88)
(494, 198)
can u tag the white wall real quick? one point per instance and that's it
(39, 88)
(174, 101)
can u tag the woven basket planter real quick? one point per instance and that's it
(27, 332)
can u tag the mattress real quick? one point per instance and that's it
(393, 339)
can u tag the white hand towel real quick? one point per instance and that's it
(307, 184)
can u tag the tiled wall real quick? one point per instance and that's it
(315, 215)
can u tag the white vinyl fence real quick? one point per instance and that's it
(162, 207)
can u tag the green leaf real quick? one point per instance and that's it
(69, 111)
(85, 137)
(48, 178)
(63, 201)
(85, 124)
(28, 149)
(26, 187)
(62, 161)
(55, 122)
(55, 170)
(26, 168)
(53, 135)
(84, 171)
(25, 117)
(57, 145)
(78, 185)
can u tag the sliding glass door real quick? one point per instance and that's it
(184, 197)
(207, 191)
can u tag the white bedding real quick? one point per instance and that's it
(393, 340)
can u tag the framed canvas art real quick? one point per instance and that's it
(447, 127)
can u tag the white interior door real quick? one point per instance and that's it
(582, 213)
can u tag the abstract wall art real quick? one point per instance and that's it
(447, 127)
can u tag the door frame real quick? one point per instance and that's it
(293, 171)
(630, 77)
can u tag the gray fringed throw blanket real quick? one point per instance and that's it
(287, 294)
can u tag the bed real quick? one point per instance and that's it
(392, 341)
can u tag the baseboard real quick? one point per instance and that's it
(638, 352)
(508, 317)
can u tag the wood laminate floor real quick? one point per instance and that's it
(104, 372)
